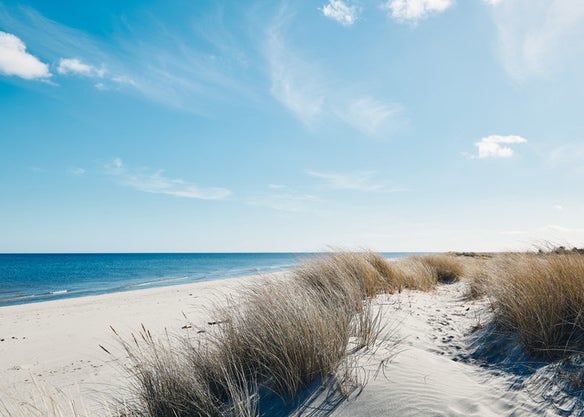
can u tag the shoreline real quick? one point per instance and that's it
(66, 295)
(34, 278)
(436, 350)
(58, 344)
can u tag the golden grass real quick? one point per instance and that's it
(446, 268)
(541, 297)
(415, 274)
(348, 275)
(368, 274)
(424, 272)
(280, 338)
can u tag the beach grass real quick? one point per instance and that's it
(279, 338)
(541, 298)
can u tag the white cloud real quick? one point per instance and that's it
(341, 12)
(14, 60)
(370, 116)
(169, 68)
(156, 182)
(493, 2)
(536, 37)
(413, 10)
(123, 79)
(293, 81)
(316, 98)
(77, 67)
(357, 181)
(492, 146)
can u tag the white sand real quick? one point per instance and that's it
(436, 370)
(433, 373)
(54, 345)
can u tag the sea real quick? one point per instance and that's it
(31, 278)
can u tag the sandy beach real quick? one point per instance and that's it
(55, 345)
(422, 365)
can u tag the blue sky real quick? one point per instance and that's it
(395, 125)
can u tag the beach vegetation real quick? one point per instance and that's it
(277, 339)
(541, 298)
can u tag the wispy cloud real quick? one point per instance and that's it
(538, 36)
(493, 146)
(294, 82)
(414, 10)
(493, 2)
(169, 68)
(371, 116)
(356, 181)
(156, 182)
(78, 67)
(340, 11)
(15, 60)
(316, 97)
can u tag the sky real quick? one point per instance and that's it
(229, 126)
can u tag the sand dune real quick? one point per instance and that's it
(447, 361)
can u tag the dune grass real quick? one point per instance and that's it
(424, 272)
(445, 268)
(541, 297)
(280, 338)
(284, 336)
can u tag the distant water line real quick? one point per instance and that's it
(31, 278)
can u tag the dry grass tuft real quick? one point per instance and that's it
(184, 379)
(343, 274)
(447, 268)
(415, 274)
(361, 275)
(477, 275)
(541, 297)
(426, 271)
(280, 338)
(286, 335)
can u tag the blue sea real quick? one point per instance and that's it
(30, 278)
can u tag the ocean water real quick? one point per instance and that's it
(29, 278)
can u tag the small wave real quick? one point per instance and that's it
(58, 292)
(15, 298)
(158, 281)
